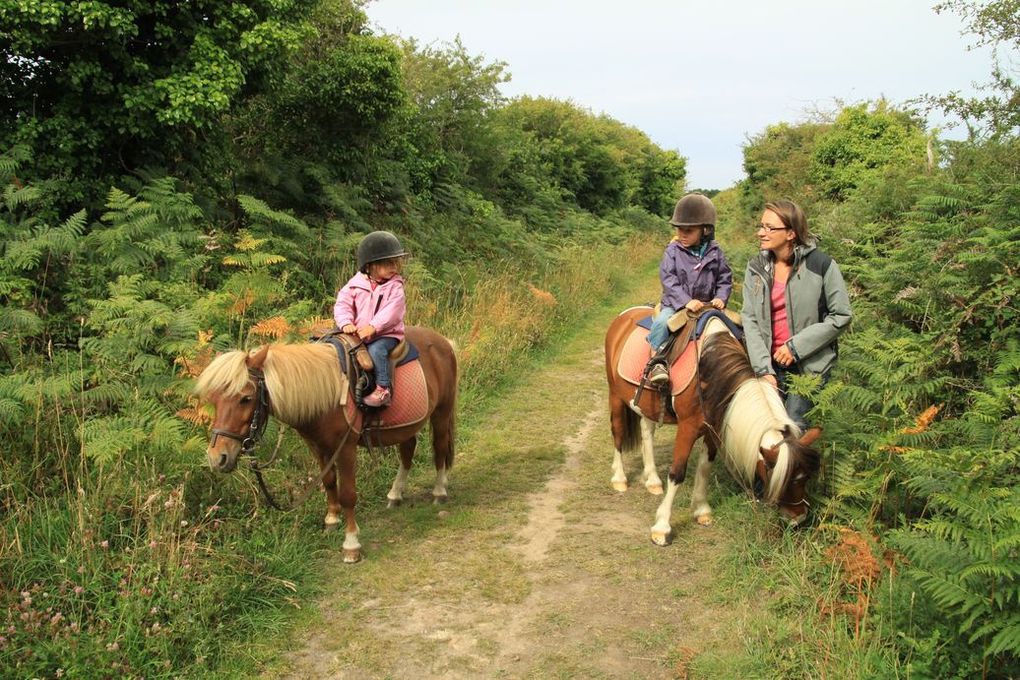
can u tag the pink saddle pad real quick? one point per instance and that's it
(410, 397)
(635, 357)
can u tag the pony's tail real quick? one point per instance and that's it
(630, 438)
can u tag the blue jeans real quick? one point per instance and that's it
(660, 332)
(796, 405)
(379, 349)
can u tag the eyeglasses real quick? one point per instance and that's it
(759, 227)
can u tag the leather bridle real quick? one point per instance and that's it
(259, 417)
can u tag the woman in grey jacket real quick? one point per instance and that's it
(795, 304)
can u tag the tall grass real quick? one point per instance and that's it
(151, 566)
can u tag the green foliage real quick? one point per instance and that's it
(94, 88)
(994, 23)
(861, 143)
(596, 161)
(778, 164)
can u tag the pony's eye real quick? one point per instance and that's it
(245, 399)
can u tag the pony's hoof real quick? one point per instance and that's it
(620, 486)
(703, 520)
(330, 528)
(393, 502)
(352, 555)
(659, 538)
(655, 489)
(440, 500)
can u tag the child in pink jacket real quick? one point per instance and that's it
(372, 305)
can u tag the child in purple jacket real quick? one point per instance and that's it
(372, 306)
(693, 272)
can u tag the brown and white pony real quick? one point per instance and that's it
(738, 414)
(302, 385)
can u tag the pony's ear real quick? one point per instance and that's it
(256, 360)
(771, 455)
(809, 437)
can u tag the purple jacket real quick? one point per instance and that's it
(687, 277)
(382, 308)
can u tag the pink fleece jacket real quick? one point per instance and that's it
(382, 308)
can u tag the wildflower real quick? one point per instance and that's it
(104, 545)
(112, 647)
(184, 522)
(152, 544)
(78, 590)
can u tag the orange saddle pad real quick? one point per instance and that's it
(410, 397)
(635, 357)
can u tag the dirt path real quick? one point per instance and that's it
(536, 568)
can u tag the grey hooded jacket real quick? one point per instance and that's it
(817, 309)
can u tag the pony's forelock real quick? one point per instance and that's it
(226, 374)
(756, 418)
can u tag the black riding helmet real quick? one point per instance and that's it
(379, 245)
(695, 210)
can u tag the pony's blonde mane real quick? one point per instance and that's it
(303, 381)
(757, 418)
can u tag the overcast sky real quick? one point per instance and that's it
(700, 77)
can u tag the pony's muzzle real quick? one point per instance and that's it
(219, 460)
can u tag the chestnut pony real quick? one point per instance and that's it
(738, 414)
(302, 385)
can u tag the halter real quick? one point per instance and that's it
(259, 417)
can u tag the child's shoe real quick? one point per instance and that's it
(659, 375)
(380, 397)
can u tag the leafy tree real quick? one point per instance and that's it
(862, 142)
(778, 164)
(996, 24)
(99, 88)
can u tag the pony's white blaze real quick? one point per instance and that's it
(755, 419)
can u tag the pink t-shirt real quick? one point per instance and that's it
(780, 326)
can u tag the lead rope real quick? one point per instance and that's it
(308, 489)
